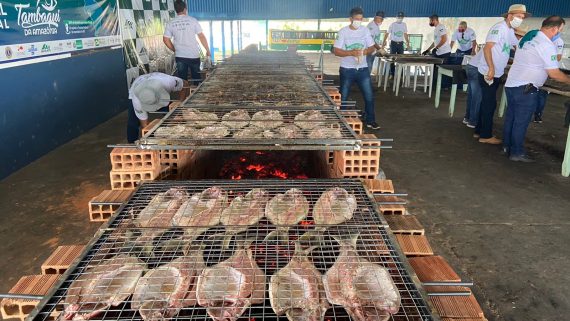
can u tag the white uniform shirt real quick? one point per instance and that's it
(504, 39)
(559, 46)
(183, 30)
(349, 39)
(170, 83)
(375, 32)
(531, 62)
(465, 39)
(438, 33)
(397, 31)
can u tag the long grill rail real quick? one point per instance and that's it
(150, 252)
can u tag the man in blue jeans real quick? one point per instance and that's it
(180, 36)
(535, 61)
(354, 42)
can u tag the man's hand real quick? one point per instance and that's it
(490, 74)
(434, 51)
(425, 53)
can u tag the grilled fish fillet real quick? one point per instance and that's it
(310, 119)
(288, 131)
(202, 209)
(287, 209)
(321, 132)
(267, 119)
(196, 118)
(236, 119)
(211, 132)
(245, 210)
(335, 206)
(161, 209)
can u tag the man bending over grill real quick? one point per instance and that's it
(354, 43)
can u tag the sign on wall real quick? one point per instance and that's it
(31, 28)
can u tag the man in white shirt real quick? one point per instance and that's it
(465, 38)
(440, 44)
(149, 93)
(543, 94)
(397, 32)
(353, 44)
(491, 63)
(180, 36)
(535, 61)
(374, 28)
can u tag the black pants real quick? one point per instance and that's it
(488, 105)
(134, 124)
(182, 66)
(396, 48)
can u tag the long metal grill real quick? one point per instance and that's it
(130, 258)
(283, 128)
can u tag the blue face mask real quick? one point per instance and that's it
(556, 36)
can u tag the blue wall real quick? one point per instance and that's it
(44, 105)
(323, 9)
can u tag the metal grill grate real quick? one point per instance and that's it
(374, 244)
(181, 129)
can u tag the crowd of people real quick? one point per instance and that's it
(536, 57)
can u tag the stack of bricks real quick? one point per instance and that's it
(357, 126)
(57, 263)
(334, 94)
(104, 205)
(130, 166)
(177, 161)
(364, 163)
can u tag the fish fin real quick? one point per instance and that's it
(350, 239)
(277, 236)
(314, 239)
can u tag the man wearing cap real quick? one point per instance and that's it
(535, 61)
(374, 28)
(491, 63)
(353, 44)
(149, 93)
(465, 38)
(397, 32)
(180, 36)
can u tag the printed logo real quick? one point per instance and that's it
(97, 43)
(553, 58)
(39, 21)
(32, 50)
(398, 33)
(78, 44)
(8, 52)
(506, 49)
(494, 32)
(45, 48)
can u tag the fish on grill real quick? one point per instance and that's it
(310, 119)
(288, 208)
(323, 132)
(365, 290)
(99, 287)
(196, 118)
(267, 119)
(236, 119)
(288, 132)
(297, 290)
(202, 209)
(163, 291)
(161, 209)
(249, 133)
(335, 206)
(245, 210)
(171, 131)
(227, 289)
(211, 132)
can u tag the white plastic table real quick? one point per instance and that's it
(402, 74)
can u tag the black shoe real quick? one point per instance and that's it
(522, 158)
(373, 125)
(538, 118)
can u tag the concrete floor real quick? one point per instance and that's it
(500, 224)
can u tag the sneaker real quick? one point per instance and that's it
(465, 121)
(470, 125)
(373, 125)
(537, 118)
(522, 158)
(491, 141)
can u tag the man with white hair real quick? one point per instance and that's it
(465, 38)
(149, 93)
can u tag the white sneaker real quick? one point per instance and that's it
(465, 121)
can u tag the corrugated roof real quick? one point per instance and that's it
(325, 9)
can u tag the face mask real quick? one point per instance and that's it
(461, 30)
(400, 19)
(556, 36)
(516, 22)
(356, 23)
(431, 24)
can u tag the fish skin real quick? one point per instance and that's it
(179, 277)
(195, 117)
(335, 206)
(324, 133)
(202, 209)
(214, 131)
(310, 119)
(236, 119)
(267, 119)
(82, 302)
(227, 289)
(161, 209)
(297, 290)
(245, 211)
(349, 283)
(287, 209)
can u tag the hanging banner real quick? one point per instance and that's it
(30, 28)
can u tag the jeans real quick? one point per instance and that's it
(541, 102)
(370, 61)
(473, 95)
(182, 66)
(521, 107)
(396, 48)
(361, 77)
(488, 105)
(464, 52)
